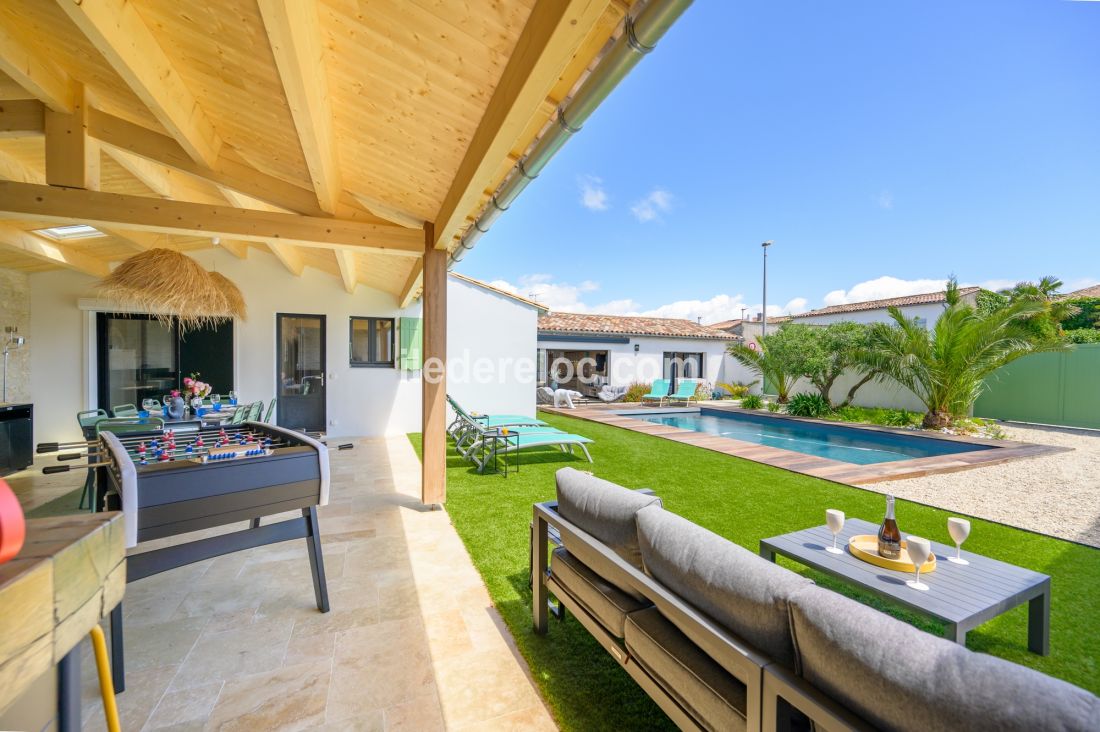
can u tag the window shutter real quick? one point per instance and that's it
(411, 340)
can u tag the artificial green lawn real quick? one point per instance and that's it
(745, 502)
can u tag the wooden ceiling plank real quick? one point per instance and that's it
(72, 158)
(294, 33)
(12, 168)
(118, 32)
(68, 205)
(412, 284)
(345, 260)
(229, 171)
(552, 34)
(56, 253)
(39, 76)
(157, 177)
(238, 249)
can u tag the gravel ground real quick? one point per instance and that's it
(1057, 495)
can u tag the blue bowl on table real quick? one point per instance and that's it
(218, 407)
(200, 411)
(164, 411)
(232, 402)
(144, 413)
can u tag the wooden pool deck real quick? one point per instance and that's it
(835, 470)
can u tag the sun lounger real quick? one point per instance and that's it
(481, 445)
(658, 392)
(685, 391)
(463, 418)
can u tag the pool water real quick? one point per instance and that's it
(835, 442)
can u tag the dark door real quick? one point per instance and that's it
(300, 363)
(208, 351)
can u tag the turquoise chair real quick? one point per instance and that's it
(658, 392)
(685, 391)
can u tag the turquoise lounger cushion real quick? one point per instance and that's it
(740, 590)
(861, 657)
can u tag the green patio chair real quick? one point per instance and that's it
(658, 392)
(255, 411)
(87, 420)
(124, 410)
(125, 425)
(685, 391)
(240, 414)
(270, 412)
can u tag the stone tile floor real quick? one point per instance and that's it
(412, 641)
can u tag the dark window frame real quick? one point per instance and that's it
(372, 361)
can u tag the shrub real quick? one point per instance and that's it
(1083, 335)
(636, 390)
(774, 407)
(808, 405)
(735, 390)
(900, 418)
(703, 391)
(752, 401)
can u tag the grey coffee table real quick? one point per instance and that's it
(961, 596)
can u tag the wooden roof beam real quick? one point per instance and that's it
(294, 34)
(43, 249)
(412, 284)
(390, 213)
(39, 76)
(552, 34)
(22, 118)
(118, 32)
(345, 259)
(228, 171)
(72, 158)
(289, 255)
(140, 213)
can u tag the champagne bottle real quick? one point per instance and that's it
(889, 538)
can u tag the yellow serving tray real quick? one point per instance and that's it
(865, 547)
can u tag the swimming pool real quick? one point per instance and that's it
(835, 442)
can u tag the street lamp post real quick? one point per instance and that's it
(764, 313)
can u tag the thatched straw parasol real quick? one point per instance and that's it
(172, 286)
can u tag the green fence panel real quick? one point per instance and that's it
(1047, 388)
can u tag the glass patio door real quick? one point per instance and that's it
(137, 359)
(300, 360)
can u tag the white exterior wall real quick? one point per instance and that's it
(360, 401)
(484, 329)
(625, 367)
(929, 311)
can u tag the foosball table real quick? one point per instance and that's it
(168, 484)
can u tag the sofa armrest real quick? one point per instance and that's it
(826, 715)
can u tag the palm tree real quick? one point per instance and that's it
(947, 366)
(1047, 322)
(769, 365)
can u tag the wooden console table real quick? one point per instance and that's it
(69, 575)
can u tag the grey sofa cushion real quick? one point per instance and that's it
(606, 511)
(602, 600)
(861, 658)
(700, 686)
(743, 592)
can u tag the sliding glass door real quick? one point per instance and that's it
(140, 357)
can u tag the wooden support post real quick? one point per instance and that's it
(433, 489)
(72, 158)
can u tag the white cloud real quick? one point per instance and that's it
(882, 288)
(579, 298)
(593, 195)
(885, 200)
(651, 207)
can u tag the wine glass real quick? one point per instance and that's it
(835, 520)
(919, 551)
(233, 398)
(959, 528)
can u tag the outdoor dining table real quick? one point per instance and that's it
(960, 596)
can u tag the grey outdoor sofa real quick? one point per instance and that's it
(722, 639)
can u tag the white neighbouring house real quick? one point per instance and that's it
(926, 307)
(622, 350)
(64, 353)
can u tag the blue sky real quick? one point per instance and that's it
(909, 139)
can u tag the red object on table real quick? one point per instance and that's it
(12, 527)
